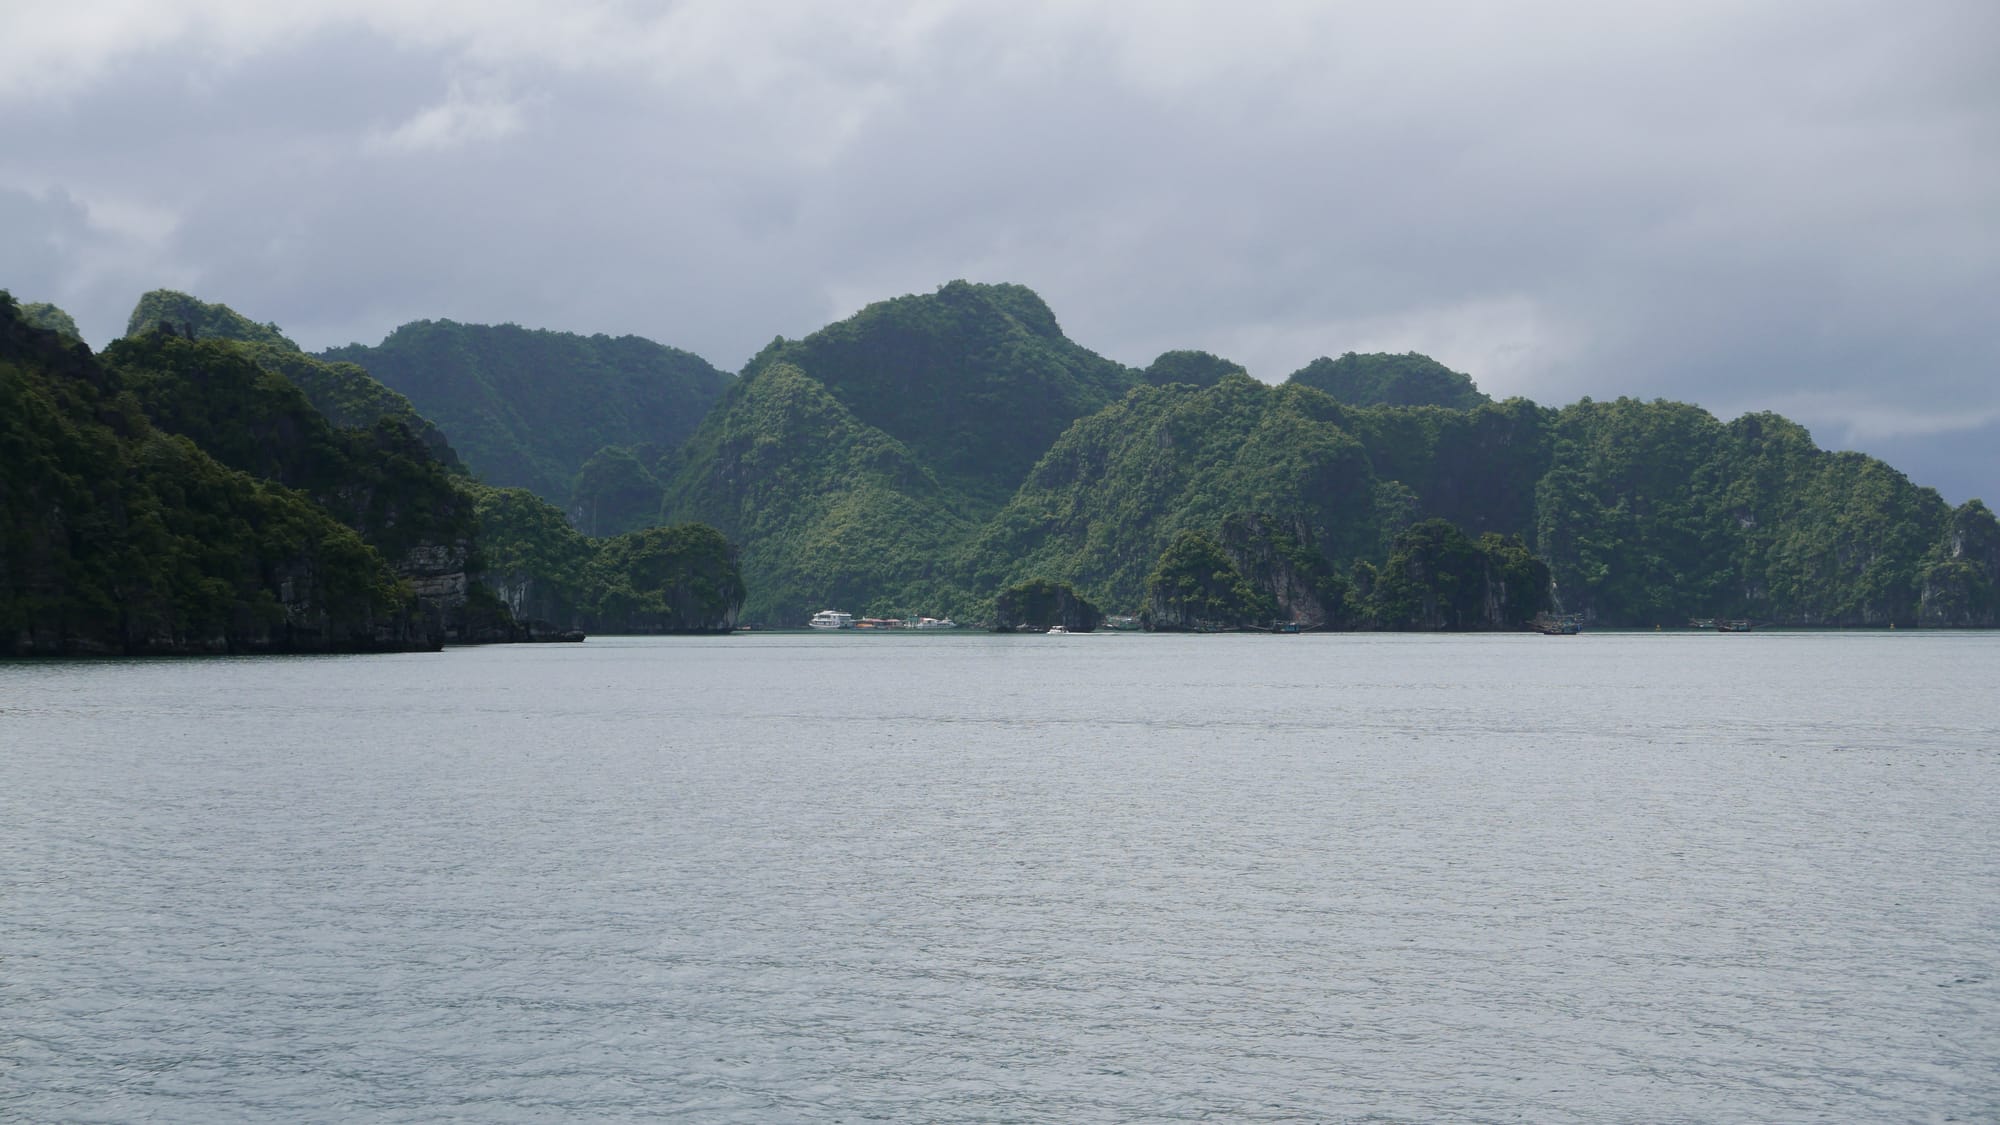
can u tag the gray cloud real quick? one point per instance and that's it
(1774, 205)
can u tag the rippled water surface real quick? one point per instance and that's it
(973, 878)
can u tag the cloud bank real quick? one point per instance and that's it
(1780, 205)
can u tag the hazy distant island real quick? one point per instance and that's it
(205, 485)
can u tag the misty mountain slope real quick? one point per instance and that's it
(976, 380)
(527, 408)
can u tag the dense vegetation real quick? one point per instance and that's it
(836, 463)
(1437, 577)
(615, 492)
(1040, 604)
(681, 579)
(200, 320)
(381, 481)
(831, 512)
(528, 408)
(952, 453)
(41, 314)
(1196, 369)
(1196, 585)
(1382, 379)
(123, 538)
(974, 380)
(346, 394)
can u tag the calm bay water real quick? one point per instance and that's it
(973, 878)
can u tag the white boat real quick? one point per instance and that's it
(935, 623)
(1058, 631)
(832, 619)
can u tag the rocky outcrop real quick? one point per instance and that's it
(1279, 558)
(1961, 586)
(1437, 579)
(1043, 604)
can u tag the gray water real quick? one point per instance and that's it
(972, 878)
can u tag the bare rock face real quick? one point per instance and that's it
(436, 572)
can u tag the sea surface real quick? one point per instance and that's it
(808, 877)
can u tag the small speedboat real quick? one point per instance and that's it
(1058, 631)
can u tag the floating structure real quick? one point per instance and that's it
(831, 619)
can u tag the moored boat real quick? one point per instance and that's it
(831, 619)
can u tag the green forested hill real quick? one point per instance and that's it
(1656, 512)
(975, 380)
(381, 481)
(192, 317)
(931, 451)
(527, 408)
(120, 538)
(1197, 369)
(1646, 513)
(830, 511)
(1383, 379)
(41, 314)
(348, 396)
(857, 467)
(1117, 488)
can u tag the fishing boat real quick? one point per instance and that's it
(831, 619)
(1557, 625)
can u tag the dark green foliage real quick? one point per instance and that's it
(614, 493)
(1114, 491)
(1961, 584)
(120, 538)
(381, 481)
(1281, 559)
(681, 579)
(1653, 513)
(1196, 369)
(1476, 468)
(532, 558)
(1042, 603)
(1196, 586)
(351, 398)
(1625, 516)
(41, 314)
(1436, 578)
(673, 579)
(830, 511)
(348, 396)
(1382, 379)
(200, 320)
(974, 380)
(527, 408)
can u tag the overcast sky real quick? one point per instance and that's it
(1749, 205)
